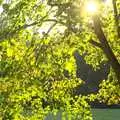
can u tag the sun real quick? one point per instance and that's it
(91, 7)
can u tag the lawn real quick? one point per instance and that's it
(106, 114)
(98, 114)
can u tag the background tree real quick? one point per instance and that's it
(34, 61)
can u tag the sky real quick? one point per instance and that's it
(91, 7)
(1, 9)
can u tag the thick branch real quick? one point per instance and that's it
(105, 45)
(116, 17)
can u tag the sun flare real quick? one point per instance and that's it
(91, 7)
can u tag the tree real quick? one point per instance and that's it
(37, 67)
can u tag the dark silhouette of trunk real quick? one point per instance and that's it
(106, 47)
(116, 17)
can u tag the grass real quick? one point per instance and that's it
(98, 114)
(106, 114)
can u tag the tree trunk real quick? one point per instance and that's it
(106, 47)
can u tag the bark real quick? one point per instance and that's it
(116, 17)
(105, 46)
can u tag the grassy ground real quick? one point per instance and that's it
(98, 114)
(106, 114)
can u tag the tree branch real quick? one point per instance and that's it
(105, 45)
(51, 27)
(12, 33)
(96, 44)
(116, 17)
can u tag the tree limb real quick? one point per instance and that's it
(106, 47)
(116, 17)
(95, 43)
(12, 33)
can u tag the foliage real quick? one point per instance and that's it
(38, 70)
(110, 91)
